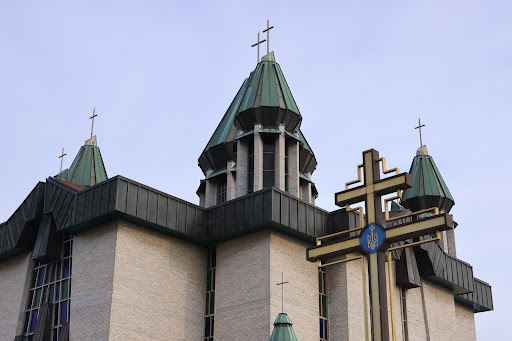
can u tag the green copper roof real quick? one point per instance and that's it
(283, 330)
(429, 189)
(87, 169)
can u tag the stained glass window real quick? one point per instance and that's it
(50, 282)
(209, 309)
(322, 304)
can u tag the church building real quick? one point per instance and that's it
(92, 257)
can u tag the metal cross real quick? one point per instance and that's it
(419, 127)
(282, 291)
(92, 117)
(375, 237)
(61, 160)
(258, 44)
(268, 35)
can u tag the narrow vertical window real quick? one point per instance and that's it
(222, 189)
(51, 283)
(286, 167)
(250, 177)
(404, 313)
(268, 161)
(209, 309)
(322, 304)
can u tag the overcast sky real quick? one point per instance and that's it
(162, 74)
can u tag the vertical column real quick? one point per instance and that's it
(279, 179)
(230, 181)
(241, 167)
(258, 159)
(306, 189)
(202, 198)
(450, 236)
(211, 191)
(293, 168)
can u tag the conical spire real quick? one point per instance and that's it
(283, 330)
(87, 169)
(429, 189)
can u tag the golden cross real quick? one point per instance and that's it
(61, 160)
(258, 44)
(419, 127)
(282, 291)
(268, 36)
(92, 117)
(372, 238)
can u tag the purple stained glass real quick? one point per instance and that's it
(65, 268)
(64, 312)
(57, 291)
(33, 321)
(207, 327)
(40, 279)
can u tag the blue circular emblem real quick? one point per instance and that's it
(372, 237)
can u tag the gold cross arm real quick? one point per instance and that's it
(381, 187)
(394, 234)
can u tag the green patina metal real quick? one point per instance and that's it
(396, 207)
(283, 330)
(429, 188)
(303, 141)
(270, 131)
(244, 135)
(223, 171)
(87, 169)
(226, 125)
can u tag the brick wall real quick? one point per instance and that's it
(14, 281)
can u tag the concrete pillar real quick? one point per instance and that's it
(293, 168)
(202, 200)
(258, 159)
(306, 189)
(452, 250)
(241, 167)
(211, 191)
(279, 164)
(230, 181)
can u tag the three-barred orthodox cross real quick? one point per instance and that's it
(374, 237)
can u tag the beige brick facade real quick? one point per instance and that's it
(14, 278)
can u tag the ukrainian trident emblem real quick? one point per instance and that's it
(372, 237)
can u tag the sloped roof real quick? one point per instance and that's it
(283, 330)
(429, 189)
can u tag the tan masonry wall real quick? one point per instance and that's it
(159, 284)
(247, 296)
(14, 281)
(92, 282)
(288, 256)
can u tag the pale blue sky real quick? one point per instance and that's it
(162, 74)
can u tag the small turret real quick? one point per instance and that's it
(87, 169)
(429, 189)
(283, 330)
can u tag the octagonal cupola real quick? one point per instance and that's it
(429, 189)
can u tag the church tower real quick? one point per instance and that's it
(258, 143)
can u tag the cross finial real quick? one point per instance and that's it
(268, 35)
(61, 160)
(419, 127)
(282, 291)
(258, 44)
(92, 117)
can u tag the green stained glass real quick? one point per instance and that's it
(25, 325)
(209, 280)
(212, 302)
(34, 276)
(268, 179)
(65, 289)
(320, 283)
(324, 306)
(37, 299)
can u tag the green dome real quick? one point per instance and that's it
(283, 330)
(429, 189)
